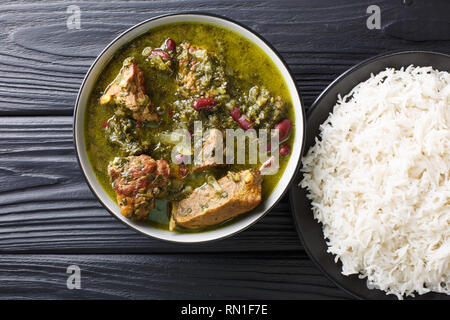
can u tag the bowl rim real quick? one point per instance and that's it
(316, 102)
(300, 112)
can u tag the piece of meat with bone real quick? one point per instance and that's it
(128, 91)
(218, 201)
(138, 181)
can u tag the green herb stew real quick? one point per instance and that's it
(158, 117)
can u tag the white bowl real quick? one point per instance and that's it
(88, 84)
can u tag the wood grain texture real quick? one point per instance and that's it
(419, 20)
(42, 63)
(194, 276)
(46, 206)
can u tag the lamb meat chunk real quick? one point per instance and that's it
(128, 91)
(210, 157)
(232, 195)
(138, 181)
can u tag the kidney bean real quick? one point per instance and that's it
(284, 127)
(170, 113)
(202, 104)
(235, 113)
(285, 149)
(170, 45)
(183, 171)
(244, 122)
(160, 53)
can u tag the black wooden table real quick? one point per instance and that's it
(50, 220)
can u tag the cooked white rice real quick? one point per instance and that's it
(379, 181)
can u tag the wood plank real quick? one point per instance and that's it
(46, 206)
(42, 63)
(194, 276)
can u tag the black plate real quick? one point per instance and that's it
(309, 230)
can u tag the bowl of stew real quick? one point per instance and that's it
(189, 127)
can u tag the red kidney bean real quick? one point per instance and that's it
(284, 127)
(285, 149)
(183, 171)
(244, 122)
(235, 113)
(170, 113)
(160, 53)
(202, 104)
(170, 45)
(105, 125)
